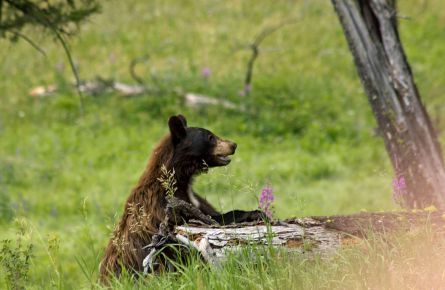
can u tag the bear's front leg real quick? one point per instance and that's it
(240, 216)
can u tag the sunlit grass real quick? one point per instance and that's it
(390, 261)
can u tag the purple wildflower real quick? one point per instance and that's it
(54, 212)
(398, 185)
(266, 200)
(206, 72)
(247, 89)
(112, 58)
(399, 188)
(59, 67)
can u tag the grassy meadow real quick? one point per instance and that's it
(307, 131)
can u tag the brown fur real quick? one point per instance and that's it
(143, 212)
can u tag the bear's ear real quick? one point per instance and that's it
(177, 128)
(183, 119)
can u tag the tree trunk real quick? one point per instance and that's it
(370, 27)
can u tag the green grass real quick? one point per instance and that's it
(308, 131)
(380, 262)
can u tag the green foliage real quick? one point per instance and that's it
(15, 258)
(307, 131)
(400, 261)
(61, 16)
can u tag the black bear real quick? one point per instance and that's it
(186, 151)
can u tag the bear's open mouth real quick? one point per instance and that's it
(225, 159)
(221, 152)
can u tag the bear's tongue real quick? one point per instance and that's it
(224, 158)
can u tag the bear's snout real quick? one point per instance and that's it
(224, 147)
(234, 146)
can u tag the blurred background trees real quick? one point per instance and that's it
(60, 16)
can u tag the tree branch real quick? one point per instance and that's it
(255, 48)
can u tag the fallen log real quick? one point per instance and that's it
(100, 86)
(322, 234)
(186, 226)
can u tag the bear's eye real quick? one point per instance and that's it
(212, 139)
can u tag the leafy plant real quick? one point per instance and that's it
(61, 16)
(15, 261)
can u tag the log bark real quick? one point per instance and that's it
(187, 229)
(370, 28)
(321, 234)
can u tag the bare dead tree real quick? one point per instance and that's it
(370, 28)
(255, 48)
(60, 17)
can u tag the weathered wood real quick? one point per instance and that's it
(101, 86)
(371, 31)
(186, 226)
(321, 235)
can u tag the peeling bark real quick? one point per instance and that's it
(321, 235)
(187, 227)
(371, 31)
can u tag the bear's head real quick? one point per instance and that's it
(198, 144)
